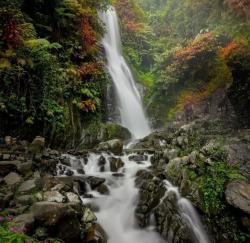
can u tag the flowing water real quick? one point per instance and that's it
(115, 211)
(130, 102)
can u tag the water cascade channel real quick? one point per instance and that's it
(130, 102)
(115, 210)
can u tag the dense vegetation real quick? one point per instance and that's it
(51, 71)
(187, 51)
(53, 81)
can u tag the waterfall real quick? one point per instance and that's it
(130, 102)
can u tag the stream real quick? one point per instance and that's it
(115, 210)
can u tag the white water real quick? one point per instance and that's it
(130, 103)
(190, 214)
(116, 211)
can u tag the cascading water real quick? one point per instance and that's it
(115, 211)
(130, 103)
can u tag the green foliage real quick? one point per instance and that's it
(213, 184)
(43, 48)
(10, 237)
(174, 29)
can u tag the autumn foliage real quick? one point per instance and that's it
(242, 7)
(90, 68)
(130, 15)
(88, 105)
(195, 48)
(88, 34)
(230, 48)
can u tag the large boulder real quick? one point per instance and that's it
(111, 131)
(37, 145)
(115, 164)
(61, 218)
(94, 182)
(170, 223)
(115, 146)
(151, 190)
(238, 195)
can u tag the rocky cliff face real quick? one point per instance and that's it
(209, 161)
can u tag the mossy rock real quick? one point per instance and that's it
(111, 131)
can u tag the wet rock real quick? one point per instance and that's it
(27, 186)
(69, 173)
(24, 222)
(81, 171)
(77, 164)
(118, 175)
(238, 195)
(150, 193)
(94, 182)
(53, 196)
(72, 197)
(170, 222)
(157, 160)
(88, 219)
(115, 164)
(65, 161)
(102, 161)
(103, 189)
(115, 146)
(113, 131)
(12, 179)
(96, 235)
(77, 182)
(85, 159)
(138, 157)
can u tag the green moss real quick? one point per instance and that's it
(213, 185)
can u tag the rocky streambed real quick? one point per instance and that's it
(113, 195)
